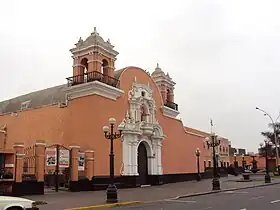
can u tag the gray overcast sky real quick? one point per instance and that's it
(223, 55)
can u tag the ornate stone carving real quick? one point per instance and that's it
(137, 130)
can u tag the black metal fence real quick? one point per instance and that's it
(29, 163)
(171, 105)
(93, 76)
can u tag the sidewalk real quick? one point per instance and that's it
(64, 200)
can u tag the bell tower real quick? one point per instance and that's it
(165, 84)
(93, 57)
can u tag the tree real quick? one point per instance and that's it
(269, 135)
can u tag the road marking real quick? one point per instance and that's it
(242, 209)
(276, 201)
(255, 198)
(231, 192)
(180, 201)
(205, 208)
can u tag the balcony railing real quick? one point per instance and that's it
(171, 105)
(93, 76)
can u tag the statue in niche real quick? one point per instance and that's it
(142, 113)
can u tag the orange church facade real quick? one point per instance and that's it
(142, 104)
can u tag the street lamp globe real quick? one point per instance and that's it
(218, 139)
(121, 127)
(112, 121)
(197, 152)
(105, 129)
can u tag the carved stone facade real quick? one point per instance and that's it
(140, 125)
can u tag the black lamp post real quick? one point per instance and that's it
(275, 136)
(267, 178)
(197, 153)
(235, 161)
(254, 162)
(214, 143)
(112, 192)
(243, 161)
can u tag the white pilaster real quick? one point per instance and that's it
(159, 165)
(134, 159)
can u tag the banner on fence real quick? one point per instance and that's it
(64, 156)
(81, 166)
(51, 157)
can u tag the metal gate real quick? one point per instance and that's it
(57, 167)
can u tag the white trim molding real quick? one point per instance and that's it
(74, 147)
(19, 145)
(93, 88)
(20, 155)
(166, 111)
(89, 151)
(40, 144)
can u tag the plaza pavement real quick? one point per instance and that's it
(66, 200)
(260, 198)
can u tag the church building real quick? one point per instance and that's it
(154, 147)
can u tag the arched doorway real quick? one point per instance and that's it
(142, 164)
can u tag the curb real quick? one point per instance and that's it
(225, 190)
(102, 206)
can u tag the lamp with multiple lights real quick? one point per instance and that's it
(275, 136)
(112, 192)
(243, 161)
(267, 177)
(214, 142)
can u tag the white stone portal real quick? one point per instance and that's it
(140, 125)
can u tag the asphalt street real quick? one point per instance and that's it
(260, 198)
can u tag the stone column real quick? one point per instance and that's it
(19, 155)
(74, 155)
(158, 154)
(40, 147)
(125, 155)
(134, 160)
(153, 159)
(89, 164)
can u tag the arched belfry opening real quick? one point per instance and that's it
(84, 66)
(93, 59)
(169, 96)
(105, 67)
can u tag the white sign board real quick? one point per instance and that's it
(50, 157)
(64, 157)
(81, 166)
